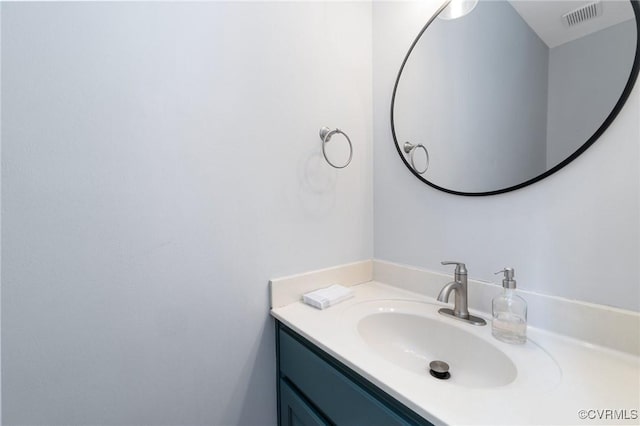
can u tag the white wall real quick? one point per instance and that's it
(160, 163)
(576, 234)
(0, 208)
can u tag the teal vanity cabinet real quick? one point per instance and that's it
(316, 389)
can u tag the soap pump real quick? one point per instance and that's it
(509, 312)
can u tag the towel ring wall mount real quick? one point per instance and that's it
(325, 135)
(411, 149)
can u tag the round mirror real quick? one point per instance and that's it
(508, 92)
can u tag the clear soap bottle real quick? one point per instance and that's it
(509, 312)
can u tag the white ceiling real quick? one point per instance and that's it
(545, 18)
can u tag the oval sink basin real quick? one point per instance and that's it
(411, 334)
(413, 341)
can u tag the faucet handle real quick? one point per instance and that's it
(460, 267)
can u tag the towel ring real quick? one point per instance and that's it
(411, 149)
(325, 135)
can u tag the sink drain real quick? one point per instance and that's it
(439, 370)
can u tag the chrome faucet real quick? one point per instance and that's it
(459, 286)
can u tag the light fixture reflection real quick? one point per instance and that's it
(457, 9)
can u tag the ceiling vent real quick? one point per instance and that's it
(582, 14)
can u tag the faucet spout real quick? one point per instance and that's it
(459, 286)
(447, 289)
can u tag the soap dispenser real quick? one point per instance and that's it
(509, 312)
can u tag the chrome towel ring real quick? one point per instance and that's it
(325, 135)
(411, 149)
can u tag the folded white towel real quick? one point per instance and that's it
(325, 297)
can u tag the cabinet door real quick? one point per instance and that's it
(294, 411)
(345, 400)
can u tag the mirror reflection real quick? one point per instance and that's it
(512, 89)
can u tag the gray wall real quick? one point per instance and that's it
(161, 162)
(480, 66)
(0, 208)
(586, 73)
(573, 234)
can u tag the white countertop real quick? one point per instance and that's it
(592, 377)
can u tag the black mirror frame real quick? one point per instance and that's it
(635, 4)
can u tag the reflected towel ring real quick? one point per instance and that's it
(325, 135)
(411, 149)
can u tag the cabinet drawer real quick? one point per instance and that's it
(295, 411)
(341, 399)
